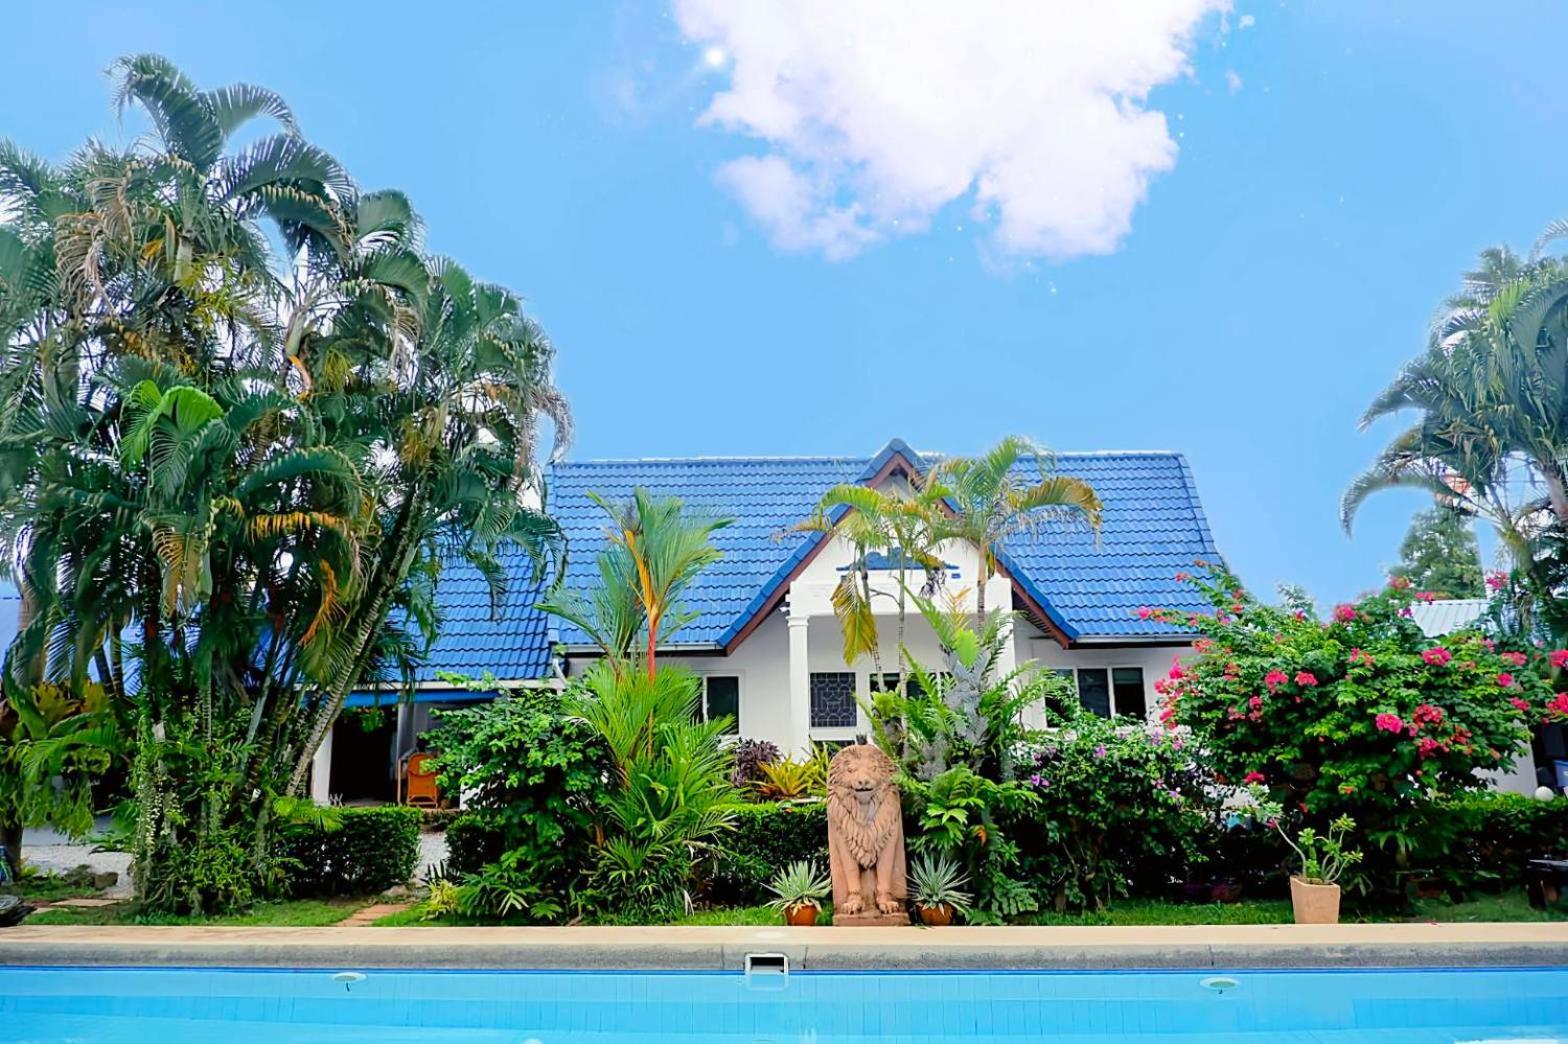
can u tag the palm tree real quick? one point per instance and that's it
(666, 547)
(879, 520)
(247, 462)
(1008, 490)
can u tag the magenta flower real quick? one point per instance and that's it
(1389, 723)
(1518, 659)
(1505, 679)
(1496, 581)
(1253, 777)
(1306, 678)
(1560, 657)
(1437, 656)
(1144, 612)
(1344, 612)
(1275, 678)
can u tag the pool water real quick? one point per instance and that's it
(1331, 1007)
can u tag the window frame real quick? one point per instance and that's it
(740, 688)
(1110, 670)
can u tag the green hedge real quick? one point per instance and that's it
(766, 838)
(473, 841)
(374, 849)
(1490, 836)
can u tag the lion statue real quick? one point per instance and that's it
(865, 832)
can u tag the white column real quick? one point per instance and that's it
(321, 772)
(799, 739)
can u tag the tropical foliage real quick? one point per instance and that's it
(1361, 715)
(1491, 397)
(246, 420)
(1440, 554)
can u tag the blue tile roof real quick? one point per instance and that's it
(1153, 528)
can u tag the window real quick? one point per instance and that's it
(1127, 692)
(1107, 691)
(889, 682)
(1094, 690)
(721, 697)
(833, 700)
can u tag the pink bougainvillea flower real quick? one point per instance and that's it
(1099, 751)
(1426, 596)
(1558, 703)
(1202, 645)
(1520, 704)
(1253, 777)
(1256, 703)
(1306, 678)
(1559, 657)
(1505, 679)
(1299, 614)
(1496, 581)
(1176, 673)
(1426, 746)
(1144, 612)
(1426, 714)
(1437, 656)
(1344, 612)
(1275, 678)
(1389, 722)
(1518, 659)
(1360, 656)
(1399, 583)
(1182, 578)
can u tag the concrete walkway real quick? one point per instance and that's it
(1235, 947)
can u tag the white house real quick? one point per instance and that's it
(766, 642)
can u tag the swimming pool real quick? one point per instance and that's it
(172, 1006)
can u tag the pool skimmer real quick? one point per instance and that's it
(1220, 984)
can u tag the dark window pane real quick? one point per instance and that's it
(833, 700)
(889, 682)
(1130, 698)
(1094, 691)
(1053, 706)
(724, 699)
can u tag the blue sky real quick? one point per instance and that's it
(1338, 165)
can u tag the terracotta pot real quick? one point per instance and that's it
(1314, 903)
(938, 916)
(802, 916)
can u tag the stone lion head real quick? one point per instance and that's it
(860, 772)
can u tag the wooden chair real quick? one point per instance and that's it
(419, 784)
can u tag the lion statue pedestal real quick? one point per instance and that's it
(866, 839)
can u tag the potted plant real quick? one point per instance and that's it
(1314, 892)
(799, 890)
(936, 887)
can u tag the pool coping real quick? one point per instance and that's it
(825, 949)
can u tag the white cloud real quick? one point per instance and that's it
(1232, 81)
(875, 114)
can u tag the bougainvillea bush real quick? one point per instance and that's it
(1360, 714)
(1121, 810)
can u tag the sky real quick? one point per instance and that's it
(808, 228)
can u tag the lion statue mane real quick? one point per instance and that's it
(865, 832)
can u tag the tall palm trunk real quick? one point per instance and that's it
(383, 585)
(1556, 489)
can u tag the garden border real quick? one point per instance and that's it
(809, 949)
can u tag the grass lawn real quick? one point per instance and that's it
(296, 913)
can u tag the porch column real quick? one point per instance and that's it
(321, 772)
(799, 738)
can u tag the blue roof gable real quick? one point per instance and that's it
(1153, 528)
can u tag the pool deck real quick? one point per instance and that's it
(1248, 946)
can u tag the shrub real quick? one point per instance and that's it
(750, 756)
(1360, 716)
(1120, 810)
(1490, 836)
(374, 849)
(766, 839)
(473, 841)
(533, 781)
